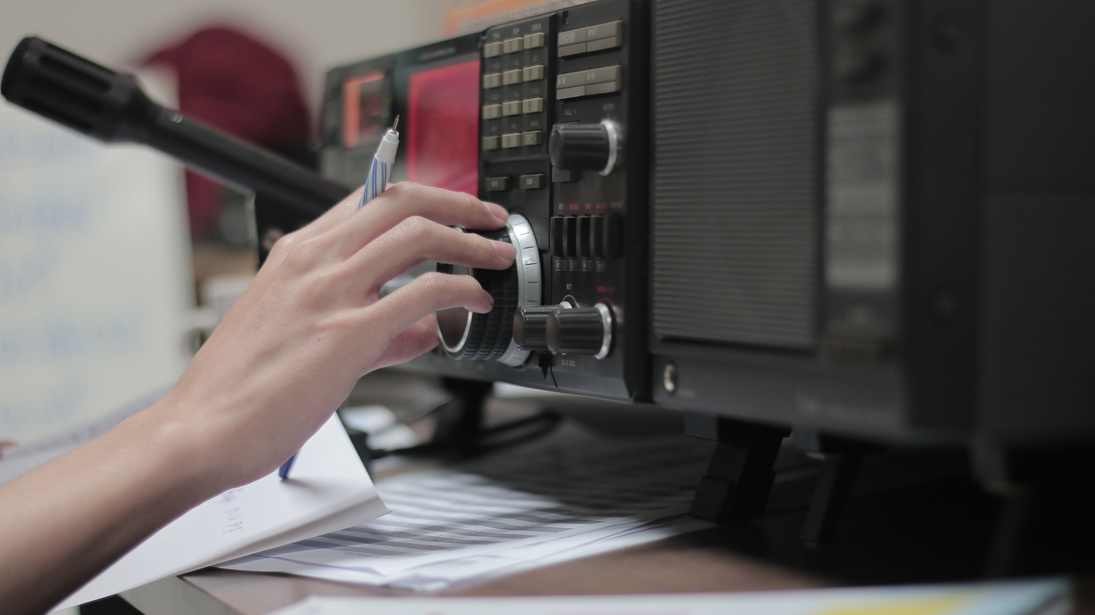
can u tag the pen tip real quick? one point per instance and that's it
(395, 123)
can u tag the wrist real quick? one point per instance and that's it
(178, 456)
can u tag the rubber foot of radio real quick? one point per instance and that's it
(740, 475)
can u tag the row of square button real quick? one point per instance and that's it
(515, 88)
(589, 39)
(513, 107)
(514, 45)
(602, 80)
(513, 77)
(586, 236)
(531, 181)
(512, 139)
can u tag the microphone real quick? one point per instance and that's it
(111, 107)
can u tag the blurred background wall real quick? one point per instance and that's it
(318, 34)
(97, 268)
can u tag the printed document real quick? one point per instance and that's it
(564, 498)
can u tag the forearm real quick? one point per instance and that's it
(282, 360)
(94, 504)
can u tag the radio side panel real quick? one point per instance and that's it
(1037, 355)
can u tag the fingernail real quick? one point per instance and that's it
(505, 250)
(485, 307)
(497, 211)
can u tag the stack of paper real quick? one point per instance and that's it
(567, 498)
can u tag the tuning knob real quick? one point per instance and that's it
(466, 335)
(530, 327)
(585, 330)
(585, 147)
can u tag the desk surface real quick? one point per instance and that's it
(884, 539)
(939, 531)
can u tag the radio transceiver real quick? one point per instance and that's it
(866, 219)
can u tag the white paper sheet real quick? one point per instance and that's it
(1048, 597)
(328, 490)
(511, 511)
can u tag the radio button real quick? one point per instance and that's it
(532, 105)
(593, 38)
(535, 40)
(572, 37)
(605, 233)
(511, 77)
(558, 234)
(572, 50)
(575, 92)
(597, 236)
(533, 73)
(604, 74)
(492, 80)
(570, 247)
(602, 88)
(490, 143)
(532, 181)
(583, 236)
(513, 45)
(601, 45)
(569, 80)
(497, 184)
(610, 30)
(604, 36)
(492, 50)
(492, 112)
(511, 107)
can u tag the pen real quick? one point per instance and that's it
(383, 160)
(375, 183)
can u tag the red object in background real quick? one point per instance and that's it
(442, 140)
(243, 86)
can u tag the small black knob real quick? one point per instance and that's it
(585, 330)
(530, 327)
(584, 147)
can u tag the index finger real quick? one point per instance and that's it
(404, 200)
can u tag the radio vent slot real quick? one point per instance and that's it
(736, 197)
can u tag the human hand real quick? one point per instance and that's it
(312, 323)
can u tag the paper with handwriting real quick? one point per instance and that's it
(329, 490)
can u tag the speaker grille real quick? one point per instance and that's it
(736, 171)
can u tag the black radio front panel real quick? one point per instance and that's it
(563, 147)
(598, 212)
(518, 62)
